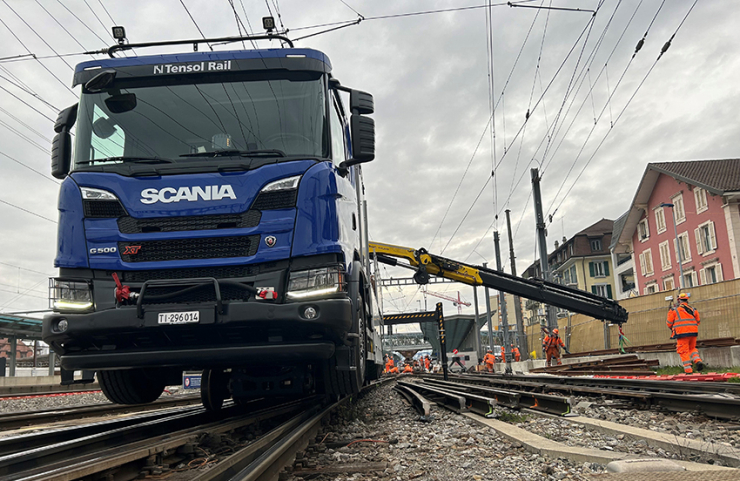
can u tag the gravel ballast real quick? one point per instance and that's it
(401, 447)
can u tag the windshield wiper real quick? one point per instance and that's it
(242, 153)
(141, 160)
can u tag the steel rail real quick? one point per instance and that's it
(712, 400)
(420, 403)
(268, 465)
(27, 418)
(548, 403)
(451, 400)
(167, 438)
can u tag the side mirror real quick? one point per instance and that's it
(61, 154)
(61, 146)
(121, 103)
(363, 139)
(66, 119)
(361, 102)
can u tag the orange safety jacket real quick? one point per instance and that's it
(683, 321)
(407, 368)
(553, 341)
(516, 353)
(427, 363)
(489, 358)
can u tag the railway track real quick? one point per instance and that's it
(29, 418)
(252, 441)
(718, 400)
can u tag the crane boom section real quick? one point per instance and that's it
(565, 297)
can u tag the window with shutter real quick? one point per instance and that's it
(665, 256)
(678, 210)
(606, 268)
(660, 220)
(719, 273)
(609, 292)
(649, 262)
(643, 232)
(703, 276)
(591, 269)
(700, 196)
(699, 243)
(668, 284)
(643, 270)
(712, 236)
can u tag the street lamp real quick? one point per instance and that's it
(678, 247)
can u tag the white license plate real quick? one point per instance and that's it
(178, 317)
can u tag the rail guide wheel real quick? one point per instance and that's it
(214, 389)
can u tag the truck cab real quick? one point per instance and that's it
(210, 218)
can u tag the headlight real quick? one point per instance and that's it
(89, 193)
(282, 184)
(315, 282)
(67, 295)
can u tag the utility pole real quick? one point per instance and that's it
(488, 315)
(521, 337)
(476, 331)
(502, 308)
(552, 322)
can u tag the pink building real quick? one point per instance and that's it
(705, 195)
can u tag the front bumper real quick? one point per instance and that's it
(245, 332)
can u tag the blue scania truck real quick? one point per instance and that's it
(211, 218)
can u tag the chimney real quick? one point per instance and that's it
(564, 239)
(556, 245)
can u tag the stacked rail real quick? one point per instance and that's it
(618, 366)
(663, 347)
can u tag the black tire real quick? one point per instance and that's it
(131, 386)
(345, 383)
(214, 389)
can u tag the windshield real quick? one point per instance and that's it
(175, 123)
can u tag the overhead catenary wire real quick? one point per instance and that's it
(485, 128)
(598, 118)
(27, 211)
(29, 168)
(37, 59)
(525, 121)
(639, 86)
(182, 2)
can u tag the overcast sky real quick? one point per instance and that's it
(430, 78)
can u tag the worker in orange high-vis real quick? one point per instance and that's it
(552, 345)
(683, 321)
(407, 368)
(427, 363)
(503, 354)
(516, 353)
(489, 359)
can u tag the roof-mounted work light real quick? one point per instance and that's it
(119, 33)
(268, 23)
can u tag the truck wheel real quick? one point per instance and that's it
(131, 386)
(359, 350)
(344, 383)
(214, 389)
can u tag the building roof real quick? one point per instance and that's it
(617, 230)
(604, 226)
(716, 176)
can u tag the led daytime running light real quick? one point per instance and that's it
(312, 293)
(62, 304)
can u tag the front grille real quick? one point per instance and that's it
(103, 209)
(219, 272)
(185, 249)
(280, 199)
(205, 294)
(131, 225)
